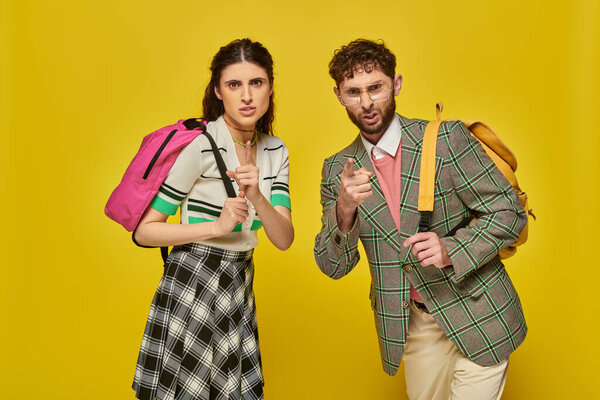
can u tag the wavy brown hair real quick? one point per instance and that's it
(361, 55)
(239, 50)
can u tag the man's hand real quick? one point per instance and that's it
(355, 188)
(428, 248)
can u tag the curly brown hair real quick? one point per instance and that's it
(361, 55)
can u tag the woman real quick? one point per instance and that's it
(201, 337)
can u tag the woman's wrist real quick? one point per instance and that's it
(214, 230)
(259, 200)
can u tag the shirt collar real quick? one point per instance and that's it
(388, 143)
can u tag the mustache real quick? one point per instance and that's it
(367, 111)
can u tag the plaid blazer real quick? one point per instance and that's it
(473, 300)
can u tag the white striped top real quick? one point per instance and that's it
(194, 184)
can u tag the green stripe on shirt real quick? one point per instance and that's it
(280, 187)
(192, 207)
(163, 206)
(170, 194)
(256, 225)
(197, 220)
(281, 200)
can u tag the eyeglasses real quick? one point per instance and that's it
(377, 92)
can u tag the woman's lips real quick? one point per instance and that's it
(247, 111)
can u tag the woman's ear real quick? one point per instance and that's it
(218, 94)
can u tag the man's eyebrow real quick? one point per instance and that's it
(366, 84)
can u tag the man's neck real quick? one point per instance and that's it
(372, 138)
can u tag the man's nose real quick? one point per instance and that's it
(365, 99)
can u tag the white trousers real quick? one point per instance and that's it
(436, 369)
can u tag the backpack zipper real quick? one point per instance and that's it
(158, 152)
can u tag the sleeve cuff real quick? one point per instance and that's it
(163, 206)
(281, 200)
(342, 240)
(460, 264)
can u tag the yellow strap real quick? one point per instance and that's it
(427, 174)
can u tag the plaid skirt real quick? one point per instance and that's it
(201, 337)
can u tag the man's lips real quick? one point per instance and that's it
(249, 110)
(370, 117)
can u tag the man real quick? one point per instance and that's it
(444, 303)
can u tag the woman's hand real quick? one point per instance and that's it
(246, 176)
(235, 211)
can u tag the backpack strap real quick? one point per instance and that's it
(221, 164)
(164, 250)
(194, 123)
(427, 173)
(427, 176)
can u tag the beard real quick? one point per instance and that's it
(387, 115)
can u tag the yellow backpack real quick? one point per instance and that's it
(504, 159)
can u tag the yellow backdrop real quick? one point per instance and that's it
(86, 80)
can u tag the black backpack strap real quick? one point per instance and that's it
(194, 123)
(221, 164)
(425, 221)
(462, 224)
(164, 251)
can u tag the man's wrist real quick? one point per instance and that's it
(345, 217)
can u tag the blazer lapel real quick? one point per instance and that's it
(374, 210)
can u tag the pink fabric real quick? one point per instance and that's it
(146, 173)
(388, 170)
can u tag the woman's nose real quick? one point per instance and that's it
(246, 94)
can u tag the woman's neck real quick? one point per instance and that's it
(241, 134)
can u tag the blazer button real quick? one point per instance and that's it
(337, 239)
(408, 268)
(405, 304)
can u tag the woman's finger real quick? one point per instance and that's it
(249, 160)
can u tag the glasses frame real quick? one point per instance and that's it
(364, 89)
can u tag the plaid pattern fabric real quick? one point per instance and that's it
(473, 300)
(201, 338)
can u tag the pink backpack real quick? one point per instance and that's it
(148, 170)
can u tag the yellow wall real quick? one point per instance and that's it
(85, 80)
